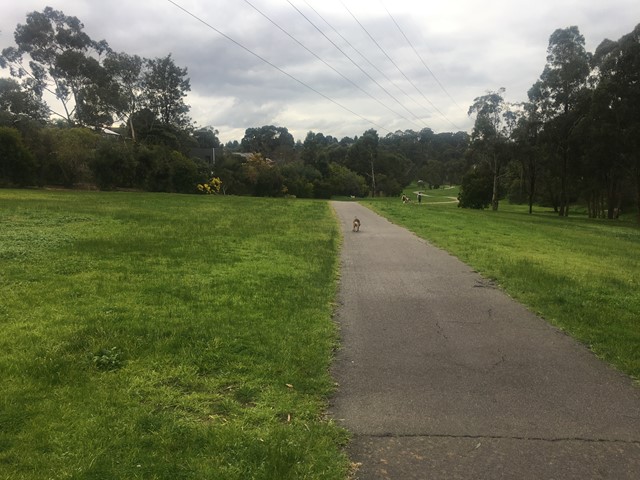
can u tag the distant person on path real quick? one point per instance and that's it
(419, 197)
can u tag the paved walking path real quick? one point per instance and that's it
(443, 376)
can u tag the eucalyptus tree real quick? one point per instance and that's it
(562, 83)
(314, 151)
(17, 102)
(270, 141)
(126, 72)
(165, 88)
(491, 135)
(54, 54)
(362, 157)
(617, 93)
(526, 136)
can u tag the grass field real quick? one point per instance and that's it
(582, 275)
(153, 336)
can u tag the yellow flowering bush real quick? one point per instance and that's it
(212, 186)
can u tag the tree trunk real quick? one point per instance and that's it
(494, 197)
(495, 167)
(564, 202)
(532, 186)
(133, 131)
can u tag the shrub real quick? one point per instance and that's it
(17, 163)
(476, 190)
(114, 165)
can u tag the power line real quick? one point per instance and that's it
(326, 63)
(351, 60)
(364, 57)
(396, 65)
(326, 97)
(420, 56)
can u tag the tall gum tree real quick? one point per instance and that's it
(617, 78)
(166, 86)
(54, 53)
(562, 81)
(490, 138)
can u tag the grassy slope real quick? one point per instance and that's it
(582, 275)
(166, 337)
(214, 314)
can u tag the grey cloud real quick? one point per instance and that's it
(470, 46)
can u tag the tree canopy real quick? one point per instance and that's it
(575, 140)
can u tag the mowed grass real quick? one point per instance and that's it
(154, 336)
(581, 275)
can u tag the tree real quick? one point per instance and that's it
(315, 151)
(74, 151)
(269, 141)
(526, 135)
(617, 100)
(17, 164)
(263, 176)
(17, 102)
(64, 61)
(166, 86)
(207, 137)
(476, 190)
(491, 131)
(561, 83)
(126, 71)
(342, 181)
(362, 157)
(113, 165)
(299, 178)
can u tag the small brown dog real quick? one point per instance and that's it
(356, 225)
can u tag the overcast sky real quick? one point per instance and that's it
(383, 64)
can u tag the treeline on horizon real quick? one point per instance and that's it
(575, 141)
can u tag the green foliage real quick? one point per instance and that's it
(57, 54)
(343, 181)
(263, 176)
(166, 86)
(20, 102)
(114, 165)
(476, 190)
(74, 151)
(17, 163)
(275, 143)
(154, 347)
(299, 179)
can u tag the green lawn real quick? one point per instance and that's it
(154, 336)
(582, 275)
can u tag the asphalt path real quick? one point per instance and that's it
(441, 375)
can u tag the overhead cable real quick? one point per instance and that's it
(327, 64)
(420, 57)
(364, 57)
(326, 97)
(396, 65)
(351, 59)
